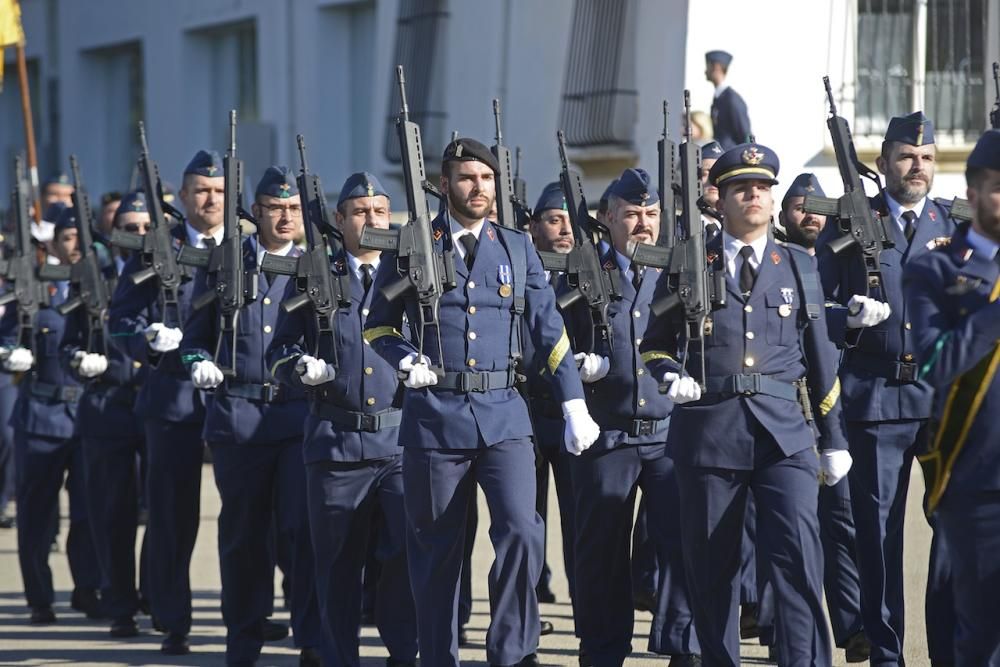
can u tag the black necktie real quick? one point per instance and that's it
(747, 272)
(909, 224)
(712, 229)
(469, 243)
(636, 276)
(209, 242)
(366, 277)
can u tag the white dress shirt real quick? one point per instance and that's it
(731, 247)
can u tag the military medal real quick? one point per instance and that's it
(788, 296)
(784, 310)
(505, 278)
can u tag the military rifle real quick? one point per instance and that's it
(504, 180)
(666, 179)
(19, 269)
(155, 248)
(318, 287)
(425, 272)
(520, 193)
(960, 209)
(87, 286)
(596, 284)
(229, 286)
(860, 227)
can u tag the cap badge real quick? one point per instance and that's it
(211, 169)
(458, 150)
(752, 156)
(371, 190)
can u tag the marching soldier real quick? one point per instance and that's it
(630, 453)
(952, 299)
(47, 450)
(353, 460)
(470, 426)
(253, 427)
(750, 431)
(886, 406)
(171, 409)
(729, 111)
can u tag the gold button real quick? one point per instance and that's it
(640, 371)
(472, 284)
(472, 335)
(371, 400)
(636, 313)
(748, 361)
(471, 362)
(472, 310)
(642, 402)
(267, 328)
(749, 335)
(908, 325)
(638, 341)
(364, 311)
(369, 370)
(748, 308)
(907, 357)
(136, 364)
(267, 301)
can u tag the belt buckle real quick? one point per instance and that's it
(270, 392)
(478, 382)
(906, 371)
(747, 384)
(368, 423)
(643, 426)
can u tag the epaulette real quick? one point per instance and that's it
(943, 203)
(938, 242)
(505, 230)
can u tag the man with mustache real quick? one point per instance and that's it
(886, 406)
(631, 453)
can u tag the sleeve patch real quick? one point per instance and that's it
(558, 352)
(372, 335)
(653, 355)
(827, 404)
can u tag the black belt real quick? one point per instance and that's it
(749, 384)
(638, 427)
(56, 392)
(262, 393)
(358, 421)
(900, 371)
(479, 382)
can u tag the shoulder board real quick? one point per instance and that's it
(943, 203)
(507, 230)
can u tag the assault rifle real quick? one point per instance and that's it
(511, 208)
(520, 193)
(317, 285)
(229, 286)
(155, 248)
(665, 182)
(425, 272)
(19, 269)
(860, 227)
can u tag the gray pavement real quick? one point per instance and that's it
(79, 641)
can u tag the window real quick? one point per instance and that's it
(923, 54)
(600, 100)
(224, 64)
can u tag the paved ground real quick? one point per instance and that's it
(76, 640)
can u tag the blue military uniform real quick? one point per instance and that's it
(951, 295)
(630, 453)
(455, 437)
(748, 433)
(886, 409)
(353, 466)
(172, 412)
(47, 452)
(730, 120)
(111, 440)
(254, 429)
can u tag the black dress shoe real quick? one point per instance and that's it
(545, 595)
(309, 657)
(546, 628)
(274, 631)
(526, 661)
(858, 648)
(124, 627)
(42, 616)
(175, 644)
(687, 660)
(463, 637)
(85, 601)
(748, 622)
(585, 660)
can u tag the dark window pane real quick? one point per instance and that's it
(955, 91)
(885, 57)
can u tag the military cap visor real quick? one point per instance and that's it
(746, 162)
(470, 150)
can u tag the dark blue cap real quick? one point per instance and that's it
(278, 182)
(133, 202)
(53, 211)
(721, 57)
(465, 149)
(804, 184)
(746, 162)
(59, 178)
(360, 184)
(712, 150)
(552, 197)
(66, 220)
(603, 204)
(636, 187)
(915, 129)
(205, 163)
(986, 154)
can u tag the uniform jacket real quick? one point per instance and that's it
(364, 381)
(869, 396)
(476, 326)
(761, 334)
(730, 120)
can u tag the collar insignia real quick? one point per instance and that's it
(489, 233)
(775, 257)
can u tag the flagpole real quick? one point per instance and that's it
(29, 129)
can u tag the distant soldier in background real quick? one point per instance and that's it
(729, 112)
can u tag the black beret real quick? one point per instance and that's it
(467, 150)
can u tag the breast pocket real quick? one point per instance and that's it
(782, 316)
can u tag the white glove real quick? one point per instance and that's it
(19, 360)
(593, 367)
(313, 371)
(866, 312)
(581, 430)
(90, 365)
(206, 375)
(834, 464)
(162, 338)
(682, 389)
(419, 371)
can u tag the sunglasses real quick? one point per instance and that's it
(134, 227)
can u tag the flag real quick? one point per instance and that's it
(11, 32)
